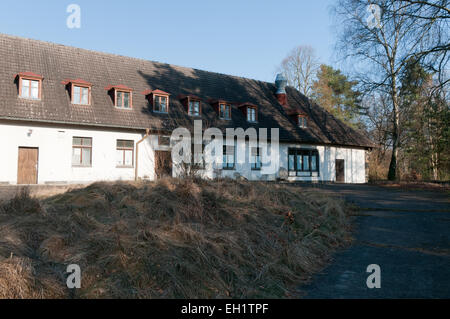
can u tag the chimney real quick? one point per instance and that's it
(280, 83)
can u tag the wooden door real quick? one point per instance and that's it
(340, 171)
(27, 172)
(163, 161)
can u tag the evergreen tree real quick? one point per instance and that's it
(338, 95)
(425, 118)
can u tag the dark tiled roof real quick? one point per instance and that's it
(57, 63)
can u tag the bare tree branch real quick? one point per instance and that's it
(300, 68)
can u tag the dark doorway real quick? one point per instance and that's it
(163, 161)
(27, 171)
(340, 171)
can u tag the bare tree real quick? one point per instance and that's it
(380, 51)
(300, 68)
(434, 17)
(178, 118)
(428, 10)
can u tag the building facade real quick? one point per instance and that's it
(69, 116)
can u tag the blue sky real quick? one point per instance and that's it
(246, 38)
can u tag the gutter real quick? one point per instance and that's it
(147, 134)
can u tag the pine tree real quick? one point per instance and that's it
(337, 94)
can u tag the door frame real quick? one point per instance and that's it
(168, 158)
(37, 163)
(336, 170)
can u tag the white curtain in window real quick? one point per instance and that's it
(76, 156)
(128, 158)
(163, 104)
(119, 99)
(76, 94)
(86, 156)
(34, 89)
(25, 88)
(119, 157)
(85, 96)
(126, 103)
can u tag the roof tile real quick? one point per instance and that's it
(57, 62)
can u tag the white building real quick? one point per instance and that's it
(69, 115)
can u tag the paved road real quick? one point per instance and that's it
(407, 233)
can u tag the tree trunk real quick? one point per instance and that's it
(393, 167)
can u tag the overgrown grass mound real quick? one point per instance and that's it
(168, 239)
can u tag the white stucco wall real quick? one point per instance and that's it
(354, 160)
(55, 154)
(55, 157)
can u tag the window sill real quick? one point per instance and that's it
(82, 166)
(256, 169)
(124, 108)
(124, 166)
(300, 172)
(77, 104)
(159, 112)
(29, 99)
(228, 168)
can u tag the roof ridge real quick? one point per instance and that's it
(128, 57)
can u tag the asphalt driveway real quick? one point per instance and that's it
(406, 233)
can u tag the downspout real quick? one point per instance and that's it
(147, 134)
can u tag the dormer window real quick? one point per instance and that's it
(80, 91)
(30, 89)
(192, 104)
(222, 107)
(225, 111)
(30, 85)
(250, 111)
(299, 117)
(251, 114)
(194, 107)
(160, 103)
(80, 95)
(158, 99)
(123, 99)
(302, 121)
(122, 96)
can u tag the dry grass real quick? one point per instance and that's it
(168, 239)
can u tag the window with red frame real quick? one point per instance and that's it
(123, 99)
(194, 108)
(225, 111)
(125, 153)
(81, 95)
(82, 151)
(160, 103)
(30, 88)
